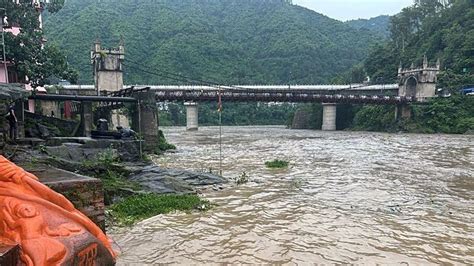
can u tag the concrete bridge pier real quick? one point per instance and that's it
(329, 116)
(192, 123)
(403, 112)
(145, 120)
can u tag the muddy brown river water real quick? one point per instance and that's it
(347, 197)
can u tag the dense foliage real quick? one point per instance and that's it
(33, 62)
(227, 41)
(453, 116)
(233, 114)
(378, 24)
(436, 28)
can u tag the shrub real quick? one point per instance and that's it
(144, 206)
(277, 164)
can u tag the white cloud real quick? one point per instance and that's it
(354, 9)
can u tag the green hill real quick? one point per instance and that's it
(378, 24)
(227, 41)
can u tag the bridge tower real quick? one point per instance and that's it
(108, 74)
(418, 82)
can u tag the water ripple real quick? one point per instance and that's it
(348, 197)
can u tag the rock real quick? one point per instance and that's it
(162, 181)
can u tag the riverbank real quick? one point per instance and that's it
(125, 177)
(454, 115)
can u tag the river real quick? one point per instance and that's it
(347, 197)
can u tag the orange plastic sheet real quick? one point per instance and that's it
(49, 230)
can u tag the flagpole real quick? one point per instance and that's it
(220, 132)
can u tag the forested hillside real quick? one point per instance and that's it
(378, 24)
(441, 29)
(227, 41)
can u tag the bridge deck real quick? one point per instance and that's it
(276, 96)
(352, 93)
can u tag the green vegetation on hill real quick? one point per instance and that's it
(435, 28)
(227, 41)
(438, 29)
(378, 24)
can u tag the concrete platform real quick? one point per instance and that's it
(84, 192)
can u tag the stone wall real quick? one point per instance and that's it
(64, 127)
(86, 193)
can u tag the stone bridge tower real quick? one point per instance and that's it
(108, 75)
(418, 82)
(108, 68)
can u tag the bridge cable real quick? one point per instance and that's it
(179, 77)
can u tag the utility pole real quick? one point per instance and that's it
(3, 44)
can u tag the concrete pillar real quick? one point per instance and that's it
(329, 116)
(403, 111)
(86, 119)
(145, 119)
(192, 123)
(19, 110)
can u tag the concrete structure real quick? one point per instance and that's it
(419, 82)
(145, 120)
(108, 68)
(108, 76)
(192, 116)
(87, 118)
(329, 116)
(85, 193)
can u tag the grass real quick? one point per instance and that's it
(277, 164)
(242, 179)
(140, 207)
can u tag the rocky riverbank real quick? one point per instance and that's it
(125, 177)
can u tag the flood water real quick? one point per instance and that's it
(347, 197)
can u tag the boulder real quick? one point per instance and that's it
(163, 181)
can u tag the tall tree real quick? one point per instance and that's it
(33, 61)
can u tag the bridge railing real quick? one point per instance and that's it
(276, 96)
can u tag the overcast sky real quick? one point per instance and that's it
(354, 9)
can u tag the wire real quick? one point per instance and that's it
(179, 77)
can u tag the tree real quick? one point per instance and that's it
(33, 61)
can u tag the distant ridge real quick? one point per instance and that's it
(228, 41)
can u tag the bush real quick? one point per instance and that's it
(242, 179)
(163, 144)
(277, 164)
